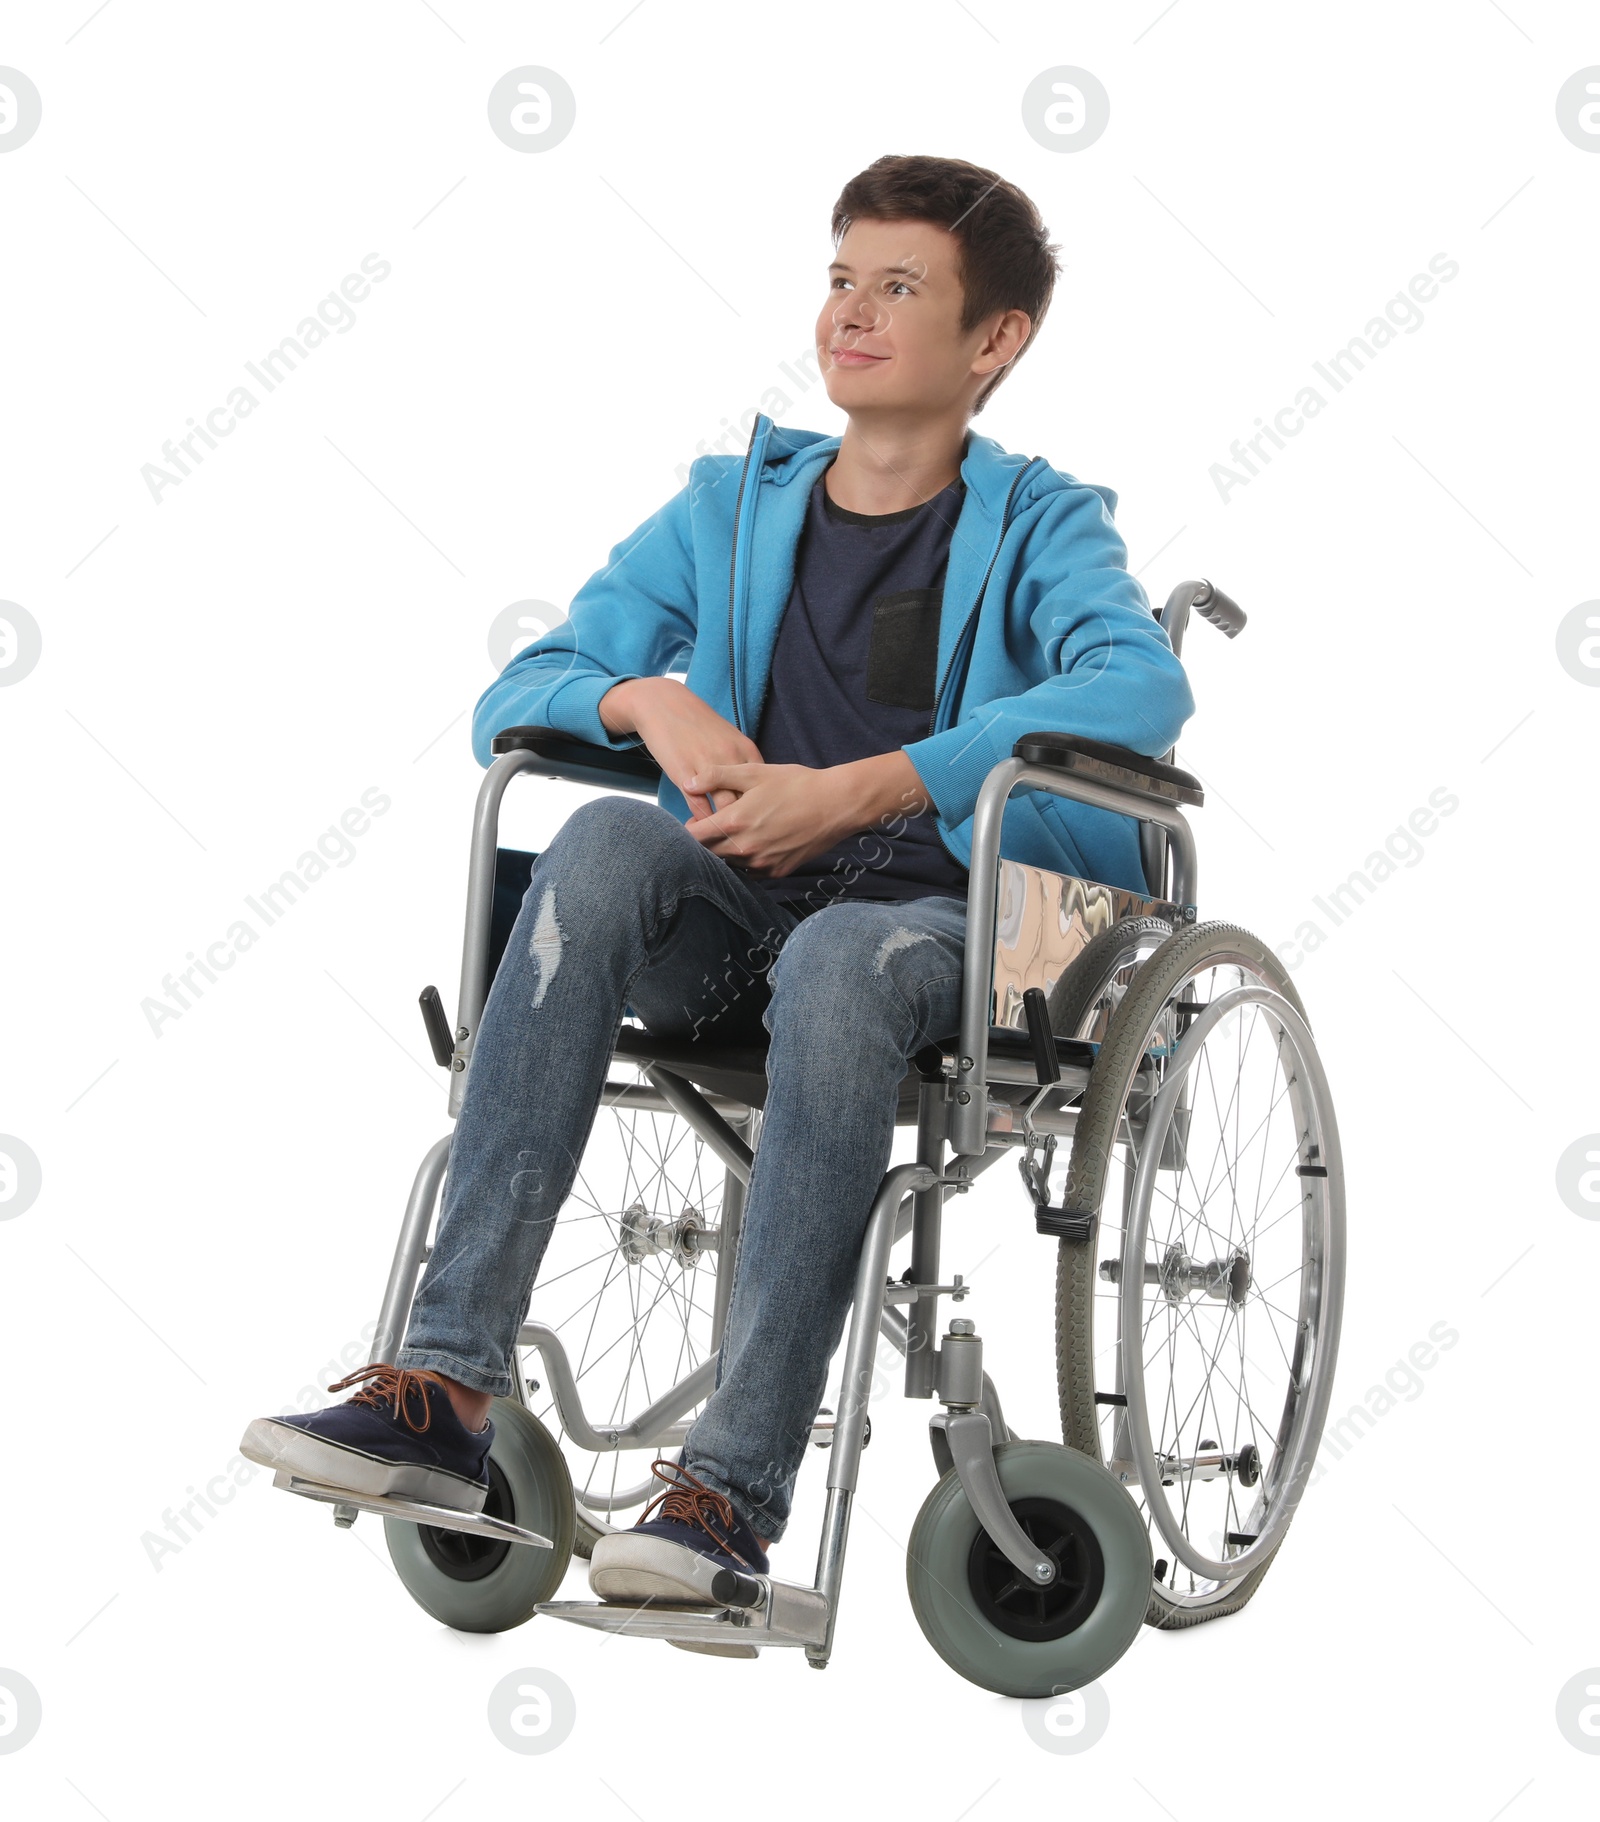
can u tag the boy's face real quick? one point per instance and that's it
(889, 336)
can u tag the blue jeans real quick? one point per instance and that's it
(627, 909)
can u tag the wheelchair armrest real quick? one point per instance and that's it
(1118, 766)
(581, 761)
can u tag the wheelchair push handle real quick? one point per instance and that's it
(1209, 602)
(1220, 609)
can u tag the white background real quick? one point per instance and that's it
(305, 617)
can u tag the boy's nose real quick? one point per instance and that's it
(854, 312)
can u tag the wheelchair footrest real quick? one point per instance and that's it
(789, 1615)
(442, 1518)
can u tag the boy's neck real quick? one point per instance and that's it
(885, 467)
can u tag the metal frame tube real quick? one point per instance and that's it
(408, 1253)
(474, 989)
(968, 1115)
(729, 1223)
(653, 1426)
(872, 1271)
(1174, 617)
(927, 1209)
(844, 1461)
(697, 1112)
(652, 1100)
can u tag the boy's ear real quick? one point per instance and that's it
(1013, 330)
(1011, 333)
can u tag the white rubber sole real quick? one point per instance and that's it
(284, 1445)
(627, 1567)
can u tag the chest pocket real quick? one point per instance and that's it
(903, 658)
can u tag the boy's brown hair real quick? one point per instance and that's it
(1007, 259)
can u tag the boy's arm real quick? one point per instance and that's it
(633, 618)
(683, 734)
(1115, 677)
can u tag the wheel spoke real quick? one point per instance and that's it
(632, 1327)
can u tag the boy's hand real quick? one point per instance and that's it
(784, 814)
(684, 734)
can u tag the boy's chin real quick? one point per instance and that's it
(861, 391)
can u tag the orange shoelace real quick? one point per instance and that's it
(690, 1501)
(394, 1386)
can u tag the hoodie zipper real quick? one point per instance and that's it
(971, 620)
(733, 570)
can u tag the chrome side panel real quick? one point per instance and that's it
(1043, 923)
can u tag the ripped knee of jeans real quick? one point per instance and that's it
(544, 946)
(893, 943)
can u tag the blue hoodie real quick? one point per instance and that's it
(1042, 628)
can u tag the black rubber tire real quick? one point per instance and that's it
(948, 1612)
(1193, 947)
(1084, 984)
(534, 1472)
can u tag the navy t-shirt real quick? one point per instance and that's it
(853, 675)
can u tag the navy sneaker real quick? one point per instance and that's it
(680, 1553)
(398, 1435)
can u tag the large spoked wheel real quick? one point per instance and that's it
(1197, 1333)
(629, 1284)
(478, 1584)
(976, 1610)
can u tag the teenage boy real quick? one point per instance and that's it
(870, 621)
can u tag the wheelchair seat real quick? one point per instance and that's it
(739, 1071)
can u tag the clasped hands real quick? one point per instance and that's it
(763, 819)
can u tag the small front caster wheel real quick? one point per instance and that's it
(981, 1615)
(478, 1584)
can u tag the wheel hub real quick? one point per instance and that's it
(462, 1555)
(1180, 1276)
(645, 1235)
(1021, 1608)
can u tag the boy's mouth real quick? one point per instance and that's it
(853, 357)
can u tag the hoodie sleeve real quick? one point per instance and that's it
(633, 618)
(1109, 671)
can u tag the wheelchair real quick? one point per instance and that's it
(1199, 1264)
